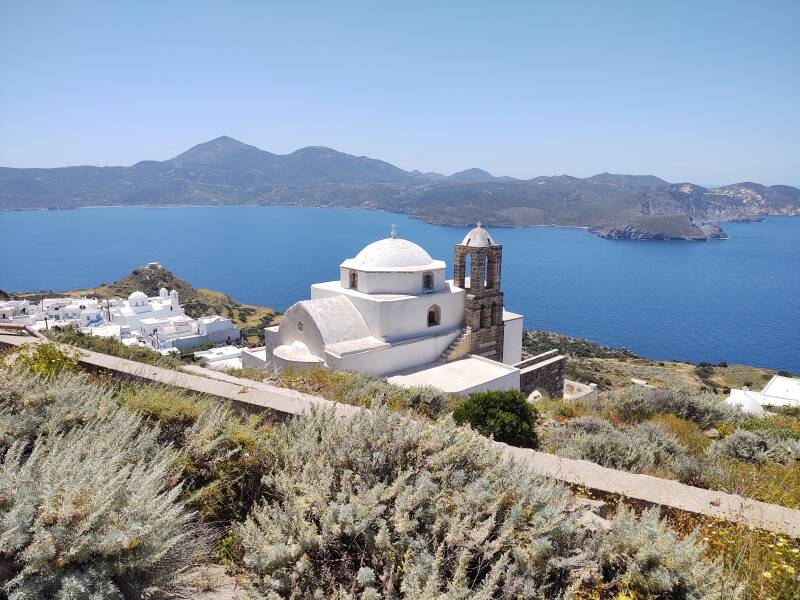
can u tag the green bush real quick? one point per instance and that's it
(643, 448)
(384, 507)
(33, 406)
(364, 389)
(747, 446)
(46, 359)
(506, 416)
(112, 346)
(222, 457)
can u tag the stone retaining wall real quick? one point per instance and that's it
(546, 376)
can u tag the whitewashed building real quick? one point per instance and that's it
(81, 312)
(779, 391)
(16, 311)
(392, 312)
(139, 307)
(183, 332)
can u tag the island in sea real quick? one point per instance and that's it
(225, 171)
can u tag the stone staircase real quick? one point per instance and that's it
(448, 352)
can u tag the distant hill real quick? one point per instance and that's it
(226, 171)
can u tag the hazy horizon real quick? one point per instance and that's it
(706, 94)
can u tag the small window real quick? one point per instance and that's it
(434, 316)
(353, 280)
(427, 281)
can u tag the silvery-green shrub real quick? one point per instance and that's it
(637, 403)
(641, 448)
(365, 389)
(747, 446)
(382, 507)
(649, 560)
(88, 502)
(32, 406)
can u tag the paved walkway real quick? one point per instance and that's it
(255, 396)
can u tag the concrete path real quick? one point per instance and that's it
(254, 396)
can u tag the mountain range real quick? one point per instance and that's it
(226, 171)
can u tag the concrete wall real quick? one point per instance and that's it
(383, 361)
(254, 358)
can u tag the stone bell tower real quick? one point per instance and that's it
(484, 300)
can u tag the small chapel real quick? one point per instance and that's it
(393, 313)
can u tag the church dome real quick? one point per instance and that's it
(391, 253)
(137, 296)
(478, 238)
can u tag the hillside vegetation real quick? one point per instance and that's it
(613, 368)
(377, 506)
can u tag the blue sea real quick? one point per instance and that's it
(736, 300)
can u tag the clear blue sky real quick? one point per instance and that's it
(707, 92)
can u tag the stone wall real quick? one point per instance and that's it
(546, 376)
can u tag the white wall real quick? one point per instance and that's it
(393, 282)
(383, 361)
(509, 381)
(289, 330)
(405, 317)
(512, 338)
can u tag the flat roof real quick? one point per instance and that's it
(787, 388)
(454, 377)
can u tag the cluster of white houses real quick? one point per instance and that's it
(158, 322)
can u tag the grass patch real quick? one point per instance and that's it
(113, 347)
(359, 389)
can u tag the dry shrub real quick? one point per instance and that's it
(638, 403)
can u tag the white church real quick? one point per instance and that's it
(391, 312)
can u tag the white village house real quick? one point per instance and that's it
(391, 312)
(779, 391)
(16, 311)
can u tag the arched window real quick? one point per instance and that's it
(353, 280)
(434, 316)
(427, 280)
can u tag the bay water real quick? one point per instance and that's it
(736, 300)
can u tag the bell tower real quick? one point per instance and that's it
(483, 306)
